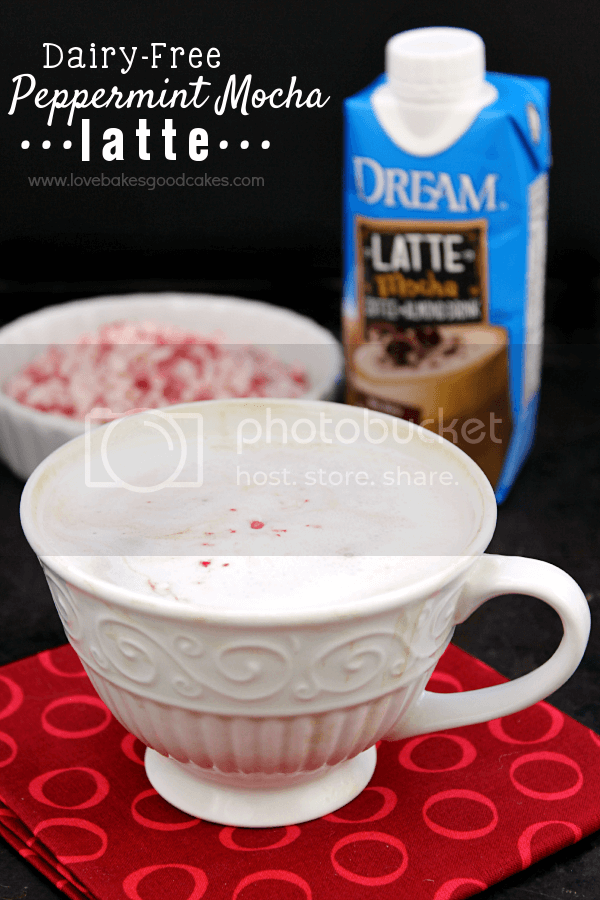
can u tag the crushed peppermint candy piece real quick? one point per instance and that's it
(132, 365)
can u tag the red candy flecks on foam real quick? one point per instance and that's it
(132, 365)
(445, 815)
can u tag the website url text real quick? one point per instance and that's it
(150, 182)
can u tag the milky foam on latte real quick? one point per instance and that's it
(276, 525)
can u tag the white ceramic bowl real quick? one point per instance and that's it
(27, 435)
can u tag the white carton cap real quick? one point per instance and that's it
(436, 65)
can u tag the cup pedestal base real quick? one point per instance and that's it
(259, 801)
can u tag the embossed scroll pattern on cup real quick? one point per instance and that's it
(301, 671)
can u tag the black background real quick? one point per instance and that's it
(285, 236)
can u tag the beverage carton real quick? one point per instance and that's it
(445, 209)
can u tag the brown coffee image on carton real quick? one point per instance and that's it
(452, 379)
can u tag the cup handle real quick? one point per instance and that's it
(492, 576)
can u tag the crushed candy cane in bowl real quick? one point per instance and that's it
(119, 354)
(128, 365)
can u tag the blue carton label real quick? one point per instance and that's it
(444, 274)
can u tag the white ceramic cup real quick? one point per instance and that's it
(268, 716)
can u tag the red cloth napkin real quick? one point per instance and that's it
(445, 815)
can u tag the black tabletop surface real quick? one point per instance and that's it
(551, 513)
